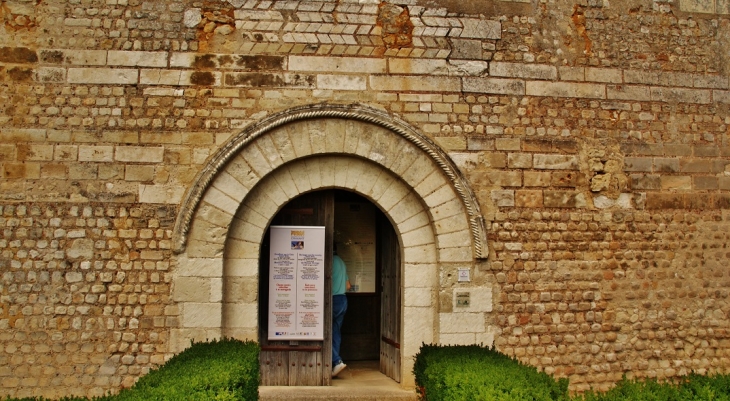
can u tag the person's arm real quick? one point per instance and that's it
(347, 285)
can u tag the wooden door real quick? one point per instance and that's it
(390, 318)
(298, 363)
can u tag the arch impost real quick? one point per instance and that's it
(356, 112)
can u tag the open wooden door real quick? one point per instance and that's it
(298, 363)
(390, 317)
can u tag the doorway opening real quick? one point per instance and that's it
(367, 242)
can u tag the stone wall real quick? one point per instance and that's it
(594, 136)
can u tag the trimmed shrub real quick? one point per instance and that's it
(453, 373)
(690, 388)
(220, 370)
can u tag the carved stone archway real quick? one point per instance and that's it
(225, 214)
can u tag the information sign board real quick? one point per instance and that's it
(296, 283)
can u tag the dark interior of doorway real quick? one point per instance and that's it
(361, 331)
(361, 327)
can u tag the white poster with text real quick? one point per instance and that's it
(296, 283)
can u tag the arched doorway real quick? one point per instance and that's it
(366, 241)
(224, 217)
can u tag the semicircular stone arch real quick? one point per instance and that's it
(239, 193)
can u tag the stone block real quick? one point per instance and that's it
(199, 267)
(658, 200)
(241, 267)
(109, 76)
(191, 289)
(642, 181)
(536, 178)
(480, 299)
(666, 165)
(705, 183)
(89, 153)
(85, 57)
(628, 92)
(341, 82)
(564, 199)
(555, 162)
(565, 89)
(478, 28)
(706, 151)
(467, 322)
(415, 84)
(465, 49)
(50, 74)
(418, 296)
(163, 194)
(712, 81)
(136, 58)
(723, 183)
(457, 338)
(500, 86)
(419, 236)
(505, 178)
(571, 179)
(697, 6)
(35, 152)
(519, 160)
(240, 315)
(139, 173)
(146, 154)
(607, 75)
(420, 275)
(572, 73)
(452, 239)
(696, 166)
(419, 254)
(338, 64)
(18, 55)
(418, 66)
(520, 70)
(721, 96)
(419, 330)
(264, 80)
(503, 198)
(201, 315)
(676, 182)
(451, 143)
(681, 95)
(507, 144)
(26, 170)
(485, 339)
(528, 198)
(638, 164)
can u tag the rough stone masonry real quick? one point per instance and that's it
(593, 134)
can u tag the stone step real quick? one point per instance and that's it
(360, 381)
(273, 393)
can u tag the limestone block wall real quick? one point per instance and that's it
(594, 136)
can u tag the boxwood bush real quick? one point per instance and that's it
(475, 373)
(220, 370)
(693, 387)
(453, 373)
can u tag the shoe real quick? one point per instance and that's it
(338, 368)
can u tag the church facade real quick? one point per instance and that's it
(551, 179)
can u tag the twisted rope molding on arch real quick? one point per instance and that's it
(356, 112)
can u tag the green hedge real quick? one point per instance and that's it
(474, 373)
(220, 370)
(693, 387)
(453, 373)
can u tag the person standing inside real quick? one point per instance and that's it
(340, 285)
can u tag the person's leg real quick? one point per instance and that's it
(339, 307)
